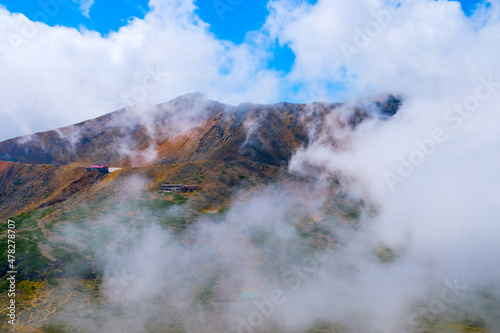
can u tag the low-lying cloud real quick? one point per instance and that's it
(421, 48)
(421, 247)
(339, 246)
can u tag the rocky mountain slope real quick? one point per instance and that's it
(112, 253)
(45, 168)
(188, 129)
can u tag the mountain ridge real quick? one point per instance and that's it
(188, 128)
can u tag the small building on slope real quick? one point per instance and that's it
(100, 168)
(178, 188)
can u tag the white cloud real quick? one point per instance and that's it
(421, 47)
(444, 212)
(85, 6)
(54, 76)
(444, 215)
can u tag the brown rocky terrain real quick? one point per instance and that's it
(68, 219)
(187, 129)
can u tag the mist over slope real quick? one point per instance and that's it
(296, 226)
(187, 129)
(374, 215)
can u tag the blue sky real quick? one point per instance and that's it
(228, 19)
(298, 57)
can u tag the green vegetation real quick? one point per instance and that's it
(75, 263)
(473, 324)
(162, 204)
(206, 295)
(28, 287)
(179, 199)
(4, 285)
(30, 219)
(77, 213)
(158, 204)
(31, 264)
(223, 210)
(349, 210)
(326, 328)
(385, 254)
(51, 277)
(56, 328)
(259, 236)
(178, 224)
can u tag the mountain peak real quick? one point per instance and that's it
(192, 128)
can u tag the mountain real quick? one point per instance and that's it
(245, 144)
(31, 186)
(189, 128)
(256, 247)
(80, 233)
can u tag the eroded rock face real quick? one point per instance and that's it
(25, 186)
(187, 129)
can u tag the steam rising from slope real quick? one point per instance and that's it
(391, 223)
(340, 244)
(128, 136)
(430, 171)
